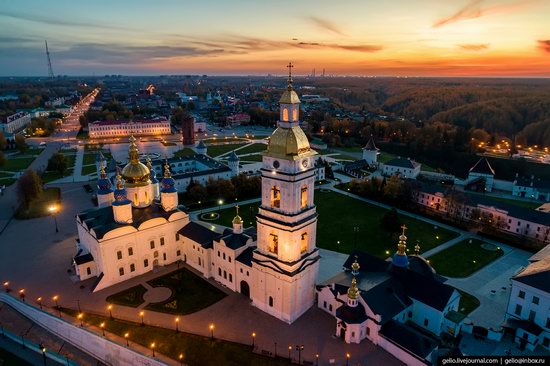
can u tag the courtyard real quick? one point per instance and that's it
(347, 213)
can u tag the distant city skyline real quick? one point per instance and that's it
(504, 38)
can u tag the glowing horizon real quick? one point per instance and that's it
(363, 38)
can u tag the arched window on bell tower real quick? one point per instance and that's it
(303, 197)
(285, 114)
(273, 245)
(136, 201)
(295, 114)
(275, 197)
(303, 243)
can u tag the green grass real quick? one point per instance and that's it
(253, 148)
(88, 169)
(197, 350)
(132, 297)
(518, 202)
(342, 157)
(17, 164)
(343, 212)
(217, 150)
(254, 158)
(5, 175)
(427, 168)
(190, 293)
(7, 181)
(385, 157)
(50, 176)
(89, 158)
(463, 258)
(350, 149)
(39, 207)
(223, 139)
(184, 152)
(468, 303)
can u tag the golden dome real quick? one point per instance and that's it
(288, 142)
(289, 97)
(135, 173)
(237, 220)
(353, 291)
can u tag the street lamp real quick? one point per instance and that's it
(153, 348)
(80, 316)
(141, 314)
(56, 298)
(347, 359)
(299, 348)
(253, 339)
(220, 203)
(43, 349)
(53, 209)
(7, 286)
(110, 308)
(316, 359)
(181, 359)
(211, 331)
(102, 326)
(22, 294)
(177, 323)
(289, 350)
(39, 301)
(126, 336)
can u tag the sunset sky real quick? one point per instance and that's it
(346, 37)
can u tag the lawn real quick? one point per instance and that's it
(89, 158)
(197, 350)
(39, 207)
(253, 148)
(7, 181)
(385, 157)
(350, 149)
(5, 175)
(224, 139)
(252, 158)
(344, 213)
(463, 258)
(190, 293)
(50, 176)
(184, 152)
(217, 150)
(342, 157)
(427, 168)
(17, 164)
(132, 297)
(468, 303)
(88, 169)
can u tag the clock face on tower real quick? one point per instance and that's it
(276, 164)
(305, 163)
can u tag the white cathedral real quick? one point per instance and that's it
(139, 226)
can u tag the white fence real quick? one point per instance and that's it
(102, 349)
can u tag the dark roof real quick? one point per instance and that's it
(526, 325)
(246, 256)
(539, 184)
(482, 167)
(83, 258)
(102, 220)
(408, 338)
(402, 163)
(234, 241)
(387, 299)
(370, 145)
(536, 274)
(199, 234)
(351, 315)
(357, 164)
(367, 262)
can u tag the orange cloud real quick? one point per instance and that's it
(474, 47)
(544, 45)
(474, 10)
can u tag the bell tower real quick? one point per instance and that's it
(286, 261)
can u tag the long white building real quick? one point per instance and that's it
(15, 123)
(105, 129)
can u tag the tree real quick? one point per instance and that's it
(20, 143)
(29, 187)
(390, 221)
(58, 162)
(197, 193)
(3, 142)
(393, 187)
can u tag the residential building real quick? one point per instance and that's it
(405, 168)
(123, 128)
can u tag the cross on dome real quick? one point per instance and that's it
(290, 66)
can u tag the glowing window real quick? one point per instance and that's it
(303, 197)
(295, 114)
(136, 202)
(275, 197)
(285, 114)
(273, 244)
(146, 197)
